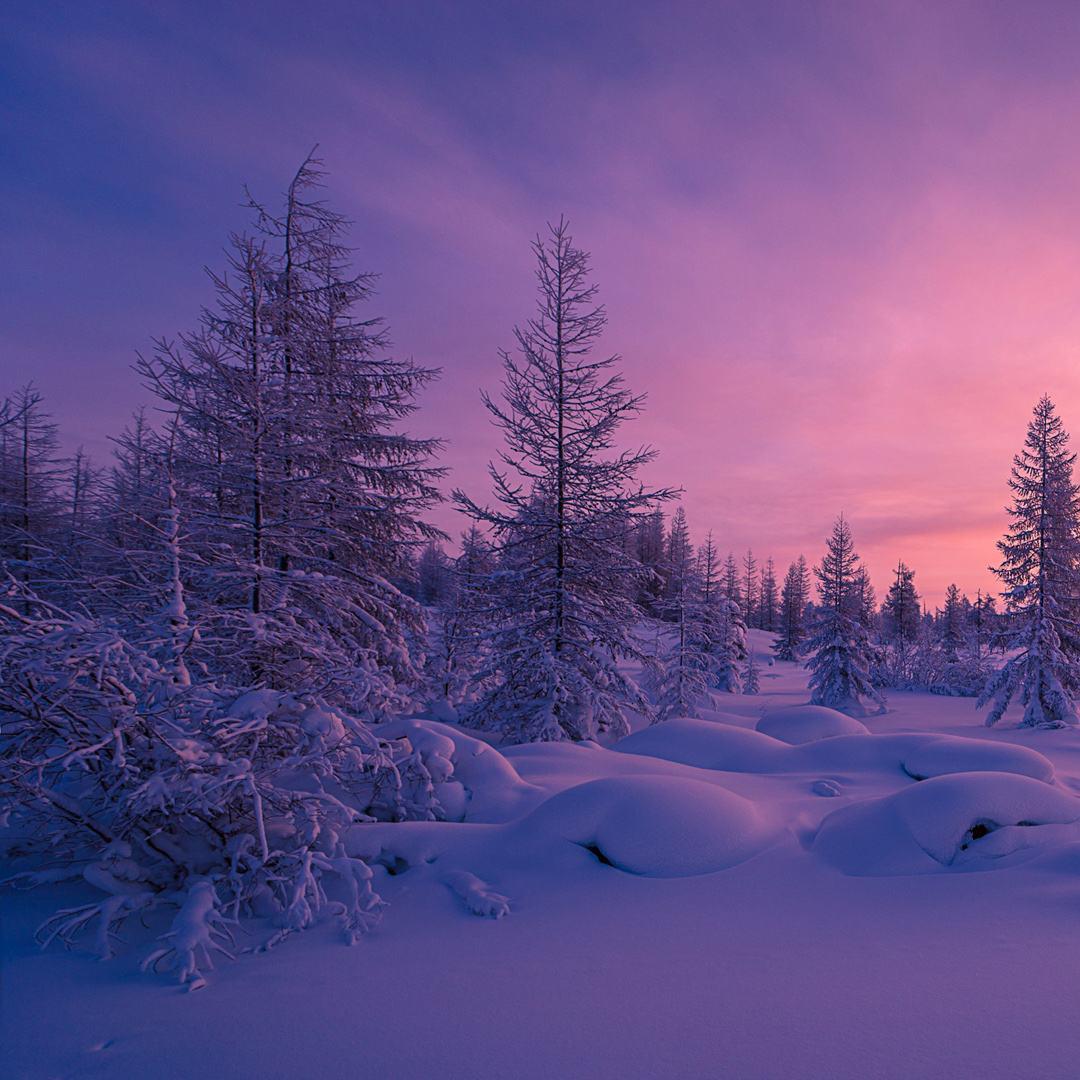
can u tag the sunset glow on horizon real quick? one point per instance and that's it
(839, 244)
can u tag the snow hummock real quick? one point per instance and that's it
(808, 723)
(707, 744)
(473, 781)
(933, 824)
(654, 826)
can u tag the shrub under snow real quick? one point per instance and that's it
(213, 801)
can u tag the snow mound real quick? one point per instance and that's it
(947, 820)
(654, 826)
(722, 747)
(807, 723)
(473, 781)
(943, 754)
(708, 745)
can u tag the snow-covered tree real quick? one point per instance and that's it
(678, 555)
(432, 574)
(900, 621)
(794, 597)
(730, 580)
(840, 646)
(566, 612)
(750, 587)
(649, 552)
(1039, 569)
(751, 679)
(686, 660)
(952, 625)
(31, 504)
(983, 621)
(770, 603)
(724, 625)
(458, 646)
(162, 793)
(303, 497)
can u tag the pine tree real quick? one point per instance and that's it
(794, 597)
(1039, 569)
(564, 594)
(840, 645)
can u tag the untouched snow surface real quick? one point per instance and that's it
(702, 900)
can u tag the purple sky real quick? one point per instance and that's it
(839, 243)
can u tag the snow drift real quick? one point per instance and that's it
(934, 825)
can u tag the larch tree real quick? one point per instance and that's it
(730, 580)
(304, 497)
(840, 645)
(769, 596)
(190, 729)
(1039, 570)
(31, 503)
(649, 551)
(750, 587)
(563, 494)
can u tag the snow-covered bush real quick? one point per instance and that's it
(159, 792)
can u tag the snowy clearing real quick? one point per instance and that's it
(703, 900)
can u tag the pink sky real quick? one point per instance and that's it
(837, 242)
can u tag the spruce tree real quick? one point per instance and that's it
(685, 662)
(840, 645)
(794, 597)
(952, 622)
(1039, 569)
(900, 621)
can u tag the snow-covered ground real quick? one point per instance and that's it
(702, 900)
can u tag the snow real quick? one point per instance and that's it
(655, 826)
(933, 825)
(700, 899)
(808, 723)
